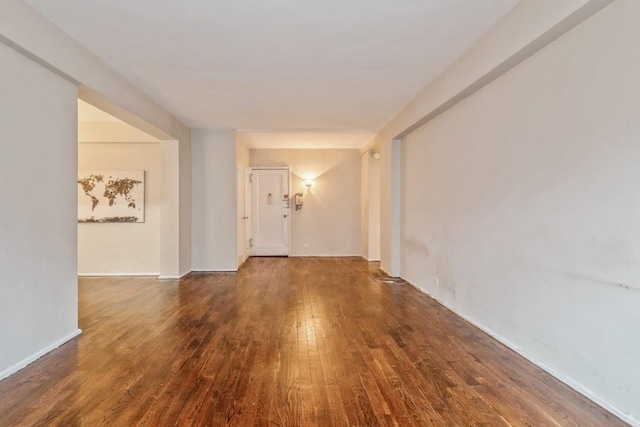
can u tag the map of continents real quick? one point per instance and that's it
(111, 196)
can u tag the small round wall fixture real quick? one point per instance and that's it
(376, 155)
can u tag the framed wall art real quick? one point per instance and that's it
(111, 196)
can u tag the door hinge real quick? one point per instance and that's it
(250, 177)
(251, 242)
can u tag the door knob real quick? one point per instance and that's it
(285, 215)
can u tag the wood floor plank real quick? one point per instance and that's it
(282, 342)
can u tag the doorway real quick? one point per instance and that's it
(120, 197)
(270, 217)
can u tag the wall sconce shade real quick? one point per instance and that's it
(308, 182)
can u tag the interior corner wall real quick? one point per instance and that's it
(329, 221)
(213, 207)
(370, 209)
(243, 201)
(365, 159)
(373, 212)
(184, 203)
(38, 257)
(121, 248)
(521, 208)
(386, 199)
(243, 152)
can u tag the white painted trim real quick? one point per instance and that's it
(214, 270)
(270, 168)
(174, 277)
(327, 256)
(531, 358)
(25, 362)
(277, 130)
(118, 274)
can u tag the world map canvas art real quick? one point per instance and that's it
(111, 196)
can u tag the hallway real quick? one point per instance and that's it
(285, 341)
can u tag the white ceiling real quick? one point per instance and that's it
(276, 64)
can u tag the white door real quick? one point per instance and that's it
(270, 208)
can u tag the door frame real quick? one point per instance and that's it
(241, 189)
(283, 168)
(247, 214)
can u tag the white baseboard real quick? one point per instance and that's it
(173, 277)
(23, 363)
(325, 256)
(214, 270)
(118, 274)
(558, 375)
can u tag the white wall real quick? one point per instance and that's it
(373, 214)
(330, 219)
(243, 199)
(370, 206)
(521, 206)
(213, 209)
(42, 302)
(365, 159)
(27, 31)
(38, 289)
(183, 202)
(243, 152)
(527, 28)
(116, 248)
(115, 131)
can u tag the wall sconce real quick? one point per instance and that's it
(308, 182)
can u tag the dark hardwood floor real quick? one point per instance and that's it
(284, 342)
